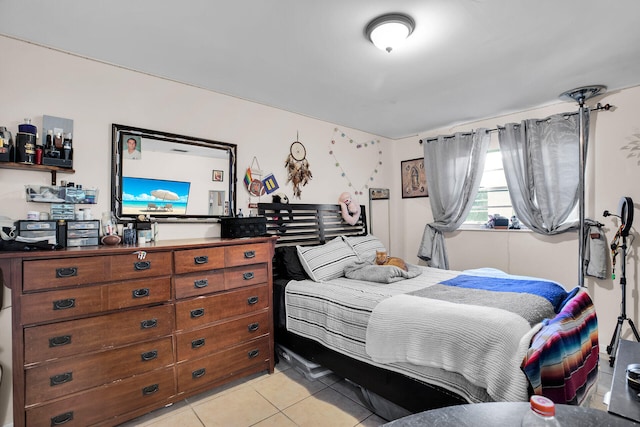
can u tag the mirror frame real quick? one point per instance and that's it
(116, 171)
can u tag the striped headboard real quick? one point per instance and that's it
(308, 224)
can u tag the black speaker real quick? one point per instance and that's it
(252, 226)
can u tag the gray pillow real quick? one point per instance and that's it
(365, 246)
(326, 262)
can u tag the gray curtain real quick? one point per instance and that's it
(453, 168)
(541, 164)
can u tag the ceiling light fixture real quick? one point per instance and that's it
(387, 32)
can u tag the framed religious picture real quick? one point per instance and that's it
(413, 178)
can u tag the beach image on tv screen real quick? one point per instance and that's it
(154, 196)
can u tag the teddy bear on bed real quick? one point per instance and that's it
(349, 208)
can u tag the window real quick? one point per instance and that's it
(493, 194)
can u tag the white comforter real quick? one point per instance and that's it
(485, 345)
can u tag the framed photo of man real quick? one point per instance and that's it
(132, 147)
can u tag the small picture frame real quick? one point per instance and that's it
(413, 178)
(217, 175)
(131, 147)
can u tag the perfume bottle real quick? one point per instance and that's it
(6, 145)
(50, 146)
(66, 146)
(57, 140)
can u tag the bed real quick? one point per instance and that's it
(424, 338)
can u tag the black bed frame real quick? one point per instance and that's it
(311, 224)
(305, 224)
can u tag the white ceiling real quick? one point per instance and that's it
(466, 60)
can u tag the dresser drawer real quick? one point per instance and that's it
(69, 375)
(247, 254)
(200, 311)
(194, 284)
(101, 403)
(61, 272)
(198, 373)
(74, 302)
(138, 292)
(191, 260)
(131, 267)
(56, 305)
(73, 337)
(246, 275)
(200, 342)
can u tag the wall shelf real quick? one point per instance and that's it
(42, 168)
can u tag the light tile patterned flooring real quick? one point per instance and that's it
(288, 399)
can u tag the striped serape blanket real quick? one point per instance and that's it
(562, 361)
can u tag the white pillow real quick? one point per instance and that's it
(326, 262)
(365, 246)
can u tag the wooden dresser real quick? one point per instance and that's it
(105, 334)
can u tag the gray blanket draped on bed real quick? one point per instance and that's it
(367, 270)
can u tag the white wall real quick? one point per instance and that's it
(611, 174)
(36, 81)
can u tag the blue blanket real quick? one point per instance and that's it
(551, 291)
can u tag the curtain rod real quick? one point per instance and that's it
(598, 107)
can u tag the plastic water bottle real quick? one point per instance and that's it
(541, 414)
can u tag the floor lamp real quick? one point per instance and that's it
(580, 95)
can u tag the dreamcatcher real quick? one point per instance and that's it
(298, 167)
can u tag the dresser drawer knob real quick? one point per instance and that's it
(252, 300)
(142, 265)
(249, 254)
(63, 304)
(202, 259)
(198, 312)
(198, 373)
(60, 379)
(202, 283)
(150, 389)
(59, 341)
(197, 343)
(149, 323)
(61, 273)
(253, 327)
(149, 355)
(140, 293)
(58, 420)
(253, 353)
(248, 275)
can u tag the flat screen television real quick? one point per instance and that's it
(157, 197)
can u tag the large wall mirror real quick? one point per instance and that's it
(172, 178)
